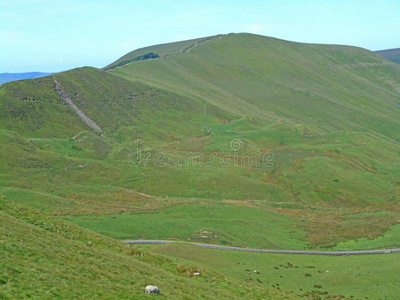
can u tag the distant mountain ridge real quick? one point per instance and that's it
(8, 77)
(391, 54)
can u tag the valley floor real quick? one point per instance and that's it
(302, 276)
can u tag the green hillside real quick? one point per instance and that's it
(45, 258)
(392, 55)
(235, 139)
(33, 108)
(161, 51)
(327, 88)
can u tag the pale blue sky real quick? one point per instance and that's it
(55, 35)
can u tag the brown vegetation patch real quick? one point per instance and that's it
(118, 201)
(326, 227)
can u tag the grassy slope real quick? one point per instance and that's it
(278, 80)
(162, 50)
(45, 258)
(32, 108)
(392, 55)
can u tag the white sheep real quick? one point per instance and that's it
(152, 289)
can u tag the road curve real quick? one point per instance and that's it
(304, 252)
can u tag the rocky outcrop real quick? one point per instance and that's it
(58, 88)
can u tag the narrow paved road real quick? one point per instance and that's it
(210, 246)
